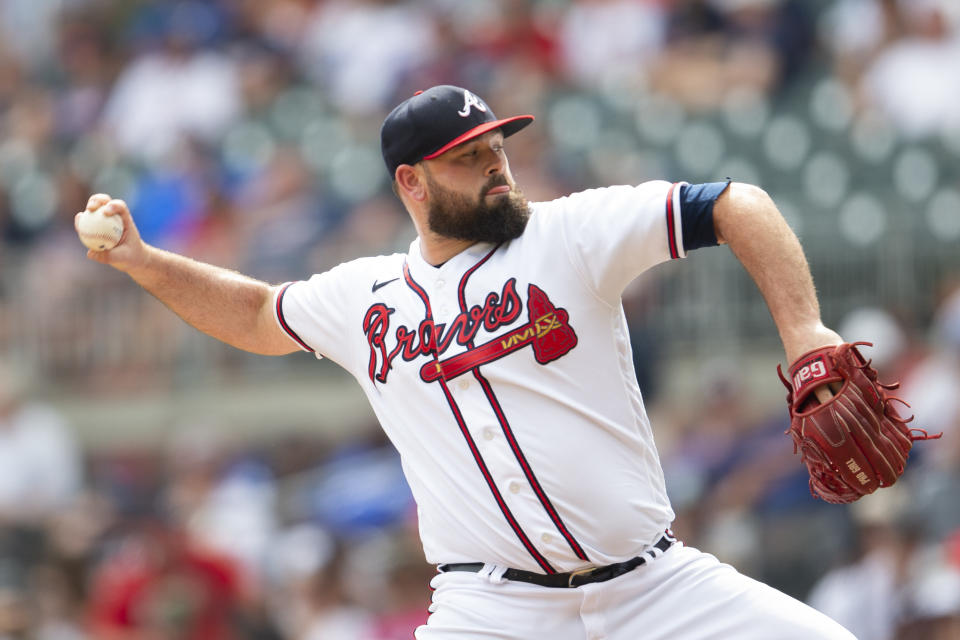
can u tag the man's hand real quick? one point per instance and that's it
(131, 252)
(802, 342)
(856, 442)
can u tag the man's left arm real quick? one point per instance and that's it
(746, 218)
(852, 440)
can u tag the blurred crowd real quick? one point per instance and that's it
(203, 539)
(245, 133)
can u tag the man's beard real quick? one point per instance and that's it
(457, 216)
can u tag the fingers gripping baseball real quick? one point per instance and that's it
(96, 201)
(99, 217)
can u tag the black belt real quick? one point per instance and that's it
(571, 578)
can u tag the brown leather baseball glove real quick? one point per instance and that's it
(855, 442)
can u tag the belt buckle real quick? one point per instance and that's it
(579, 572)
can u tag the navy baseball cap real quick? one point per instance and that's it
(434, 121)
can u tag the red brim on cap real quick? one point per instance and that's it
(509, 125)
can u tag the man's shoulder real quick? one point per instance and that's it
(599, 195)
(354, 274)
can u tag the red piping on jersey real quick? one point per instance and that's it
(283, 321)
(472, 445)
(671, 224)
(508, 432)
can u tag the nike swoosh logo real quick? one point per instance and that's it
(377, 285)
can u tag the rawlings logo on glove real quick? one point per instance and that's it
(856, 442)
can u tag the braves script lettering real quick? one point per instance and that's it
(429, 338)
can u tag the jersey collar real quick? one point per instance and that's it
(457, 264)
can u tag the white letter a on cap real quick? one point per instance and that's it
(469, 101)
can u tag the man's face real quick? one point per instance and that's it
(495, 212)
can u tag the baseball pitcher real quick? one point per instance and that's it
(496, 356)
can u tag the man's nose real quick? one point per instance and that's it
(495, 164)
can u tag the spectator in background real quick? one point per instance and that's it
(331, 611)
(161, 585)
(503, 47)
(404, 605)
(28, 29)
(281, 214)
(698, 462)
(610, 40)
(931, 388)
(914, 81)
(28, 125)
(854, 31)
(361, 79)
(716, 45)
(86, 60)
(886, 541)
(738, 488)
(60, 583)
(40, 472)
(301, 556)
(279, 24)
(932, 599)
(183, 88)
(891, 351)
(222, 498)
(40, 463)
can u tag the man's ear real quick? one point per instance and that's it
(410, 182)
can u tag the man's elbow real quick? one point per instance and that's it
(749, 193)
(737, 204)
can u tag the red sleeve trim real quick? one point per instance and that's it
(283, 321)
(672, 224)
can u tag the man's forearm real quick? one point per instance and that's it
(220, 302)
(747, 219)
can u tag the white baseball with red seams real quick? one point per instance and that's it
(99, 231)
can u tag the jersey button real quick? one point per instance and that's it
(547, 538)
(464, 383)
(441, 282)
(488, 433)
(514, 487)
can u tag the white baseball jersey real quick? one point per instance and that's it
(505, 379)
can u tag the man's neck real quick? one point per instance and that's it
(437, 249)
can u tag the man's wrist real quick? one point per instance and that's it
(143, 269)
(800, 339)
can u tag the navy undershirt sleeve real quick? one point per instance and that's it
(696, 213)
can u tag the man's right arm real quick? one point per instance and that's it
(231, 307)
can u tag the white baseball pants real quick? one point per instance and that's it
(684, 594)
